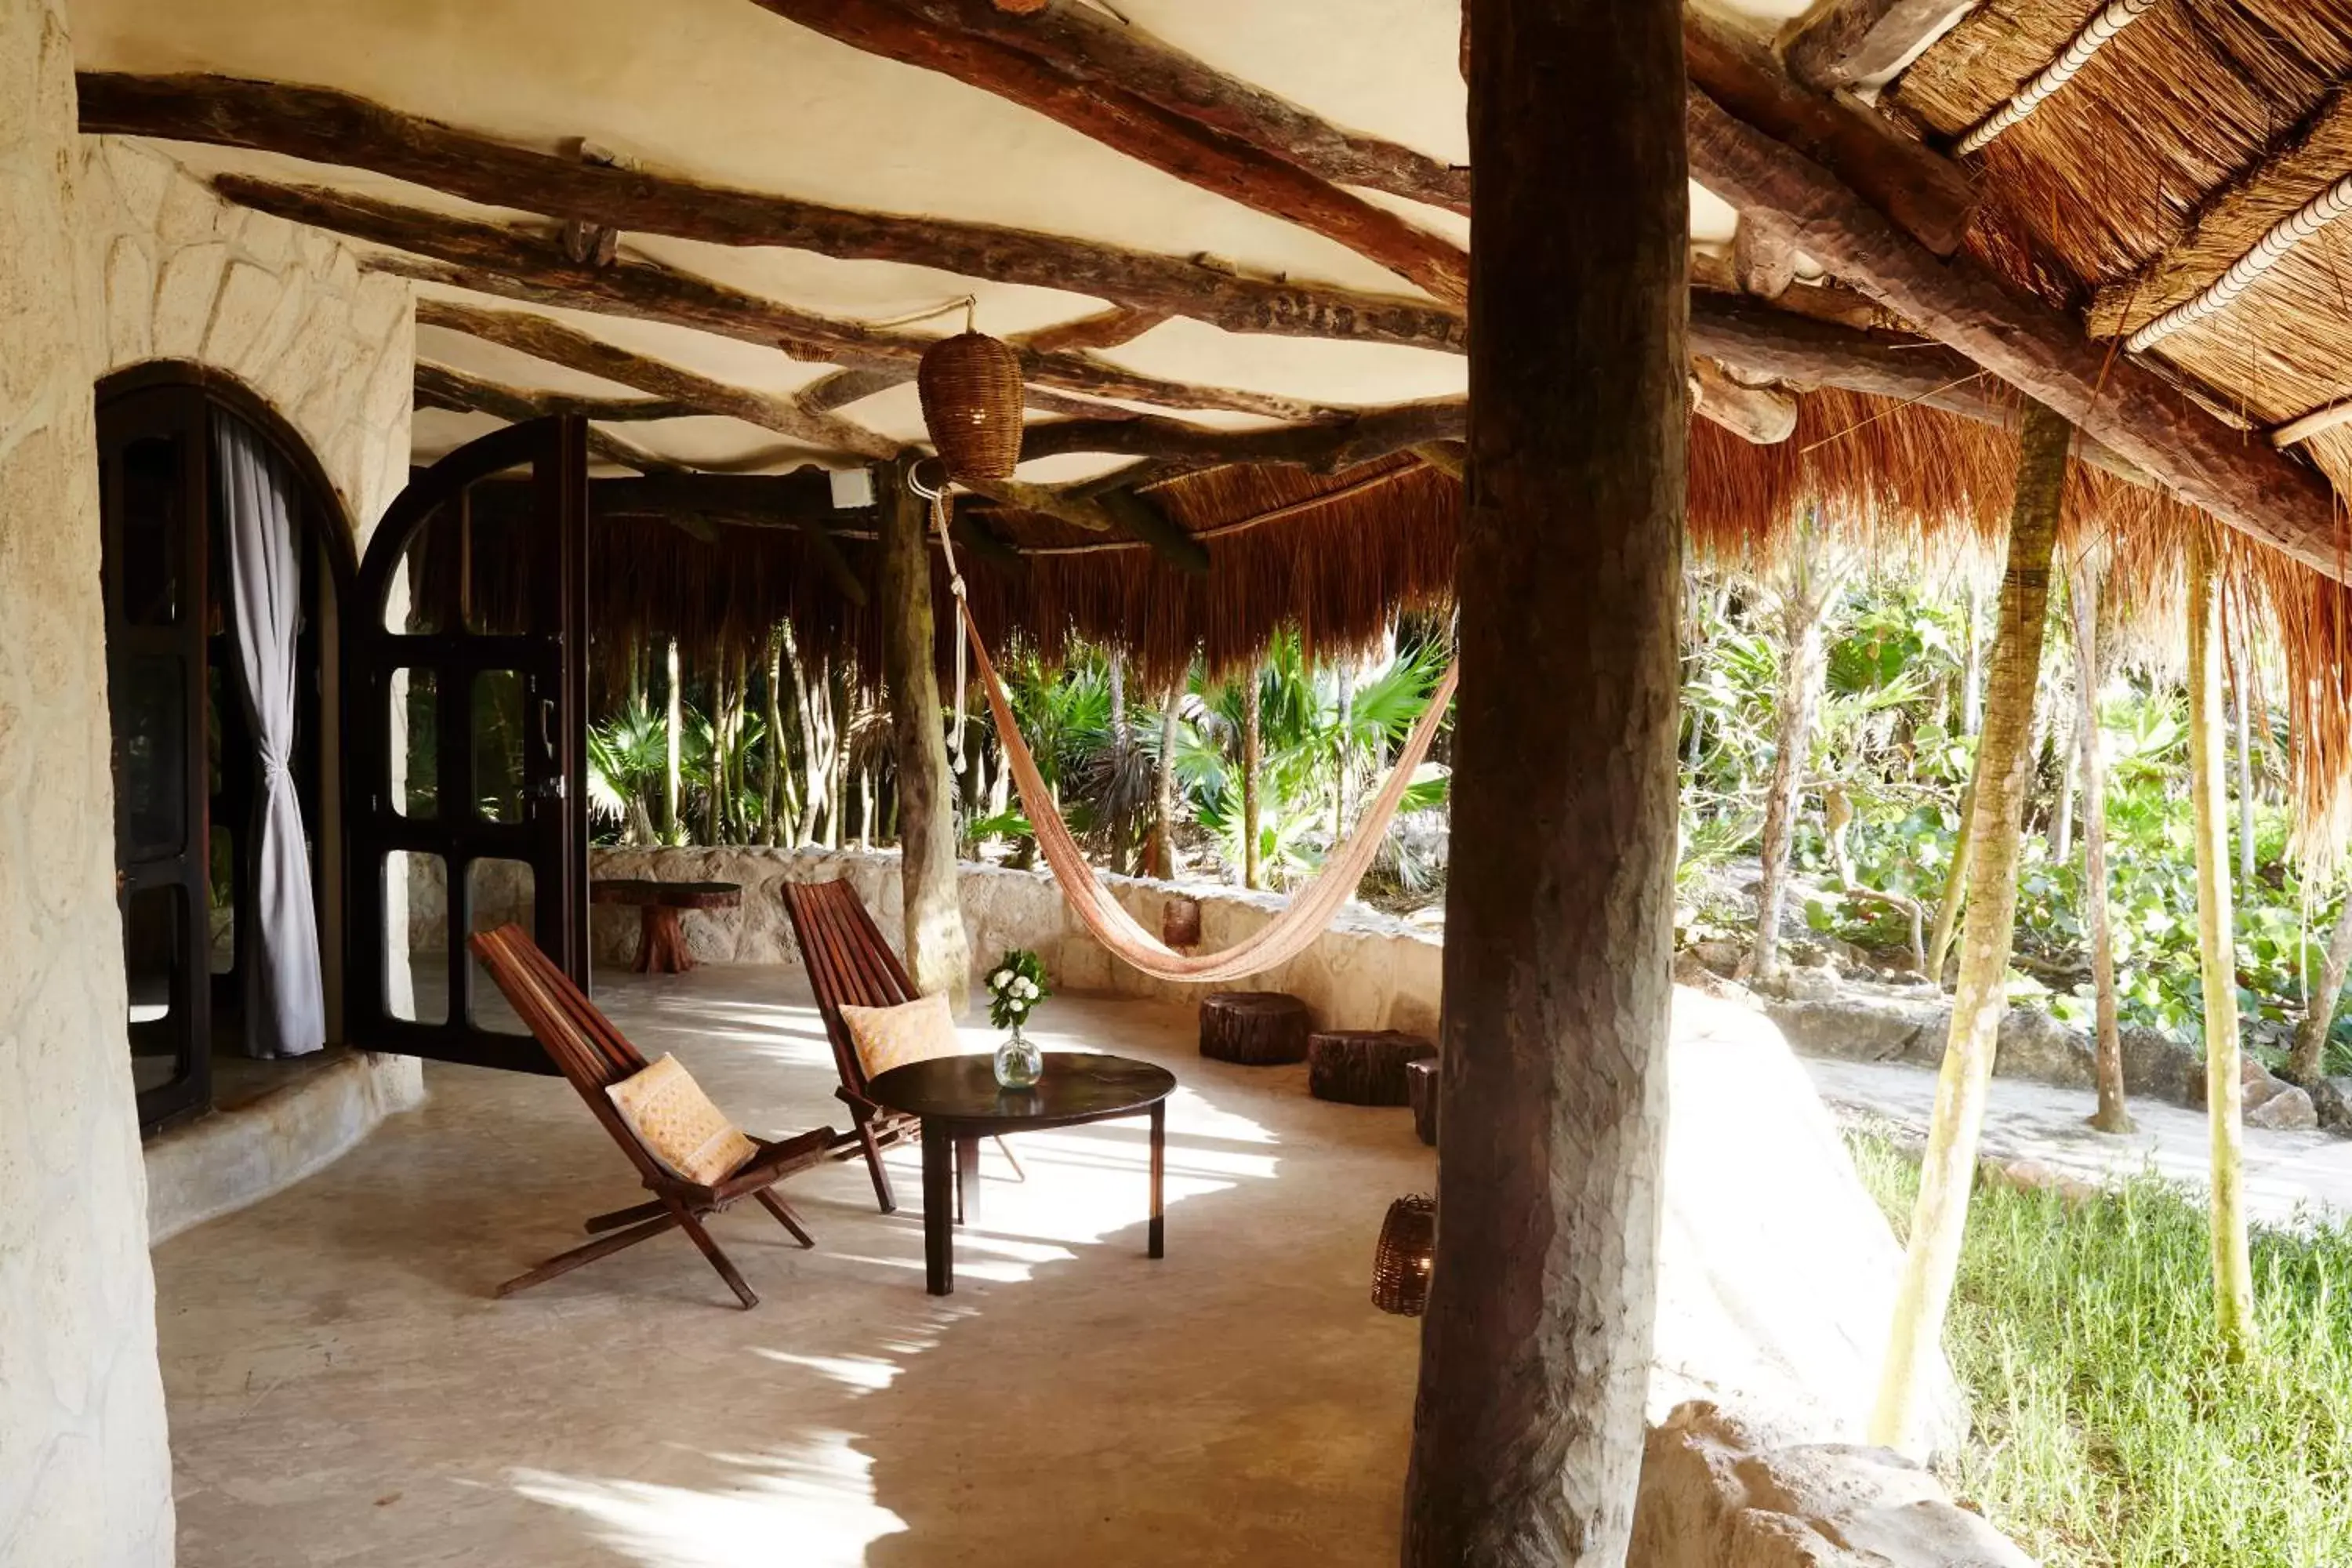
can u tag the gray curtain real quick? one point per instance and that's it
(285, 1010)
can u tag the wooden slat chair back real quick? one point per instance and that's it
(849, 964)
(594, 1056)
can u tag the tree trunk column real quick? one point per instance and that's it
(2112, 1115)
(937, 957)
(2225, 1092)
(1980, 999)
(1535, 1352)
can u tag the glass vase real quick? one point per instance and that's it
(1018, 1063)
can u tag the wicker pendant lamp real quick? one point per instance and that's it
(971, 388)
(1407, 1252)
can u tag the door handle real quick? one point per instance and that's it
(547, 728)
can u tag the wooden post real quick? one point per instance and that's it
(1251, 744)
(1528, 1431)
(937, 957)
(2004, 777)
(2225, 1092)
(2082, 589)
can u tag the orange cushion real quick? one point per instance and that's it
(913, 1031)
(678, 1125)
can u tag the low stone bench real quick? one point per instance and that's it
(1254, 1028)
(1363, 1067)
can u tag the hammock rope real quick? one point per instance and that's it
(1283, 938)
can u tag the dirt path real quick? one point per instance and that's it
(2284, 1171)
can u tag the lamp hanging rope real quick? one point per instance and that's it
(1278, 942)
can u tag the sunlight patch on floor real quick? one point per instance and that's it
(813, 1507)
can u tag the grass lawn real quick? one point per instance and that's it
(2109, 1429)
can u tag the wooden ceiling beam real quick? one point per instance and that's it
(1323, 449)
(1038, 63)
(544, 338)
(1095, 50)
(336, 128)
(1107, 330)
(559, 344)
(1924, 194)
(440, 384)
(515, 262)
(2228, 238)
(2034, 348)
(1862, 43)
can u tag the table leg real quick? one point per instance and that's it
(938, 1208)
(665, 951)
(1159, 1179)
(968, 1180)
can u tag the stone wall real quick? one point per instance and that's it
(85, 1470)
(285, 310)
(1367, 971)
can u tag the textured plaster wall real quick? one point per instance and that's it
(285, 309)
(85, 1470)
(1367, 971)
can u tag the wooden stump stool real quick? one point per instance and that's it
(1363, 1067)
(1420, 1089)
(1256, 1028)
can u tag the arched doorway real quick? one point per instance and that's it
(186, 768)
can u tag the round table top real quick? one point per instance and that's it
(1075, 1086)
(677, 895)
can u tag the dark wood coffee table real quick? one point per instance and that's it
(661, 943)
(960, 1104)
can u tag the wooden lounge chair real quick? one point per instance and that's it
(849, 963)
(595, 1055)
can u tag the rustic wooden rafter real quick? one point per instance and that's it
(1859, 43)
(2238, 231)
(1763, 416)
(1324, 449)
(1104, 329)
(1923, 194)
(1038, 64)
(542, 337)
(331, 127)
(843, 387)
(515, 262)
(2031, 346)
(440, 384)
(1090, 47)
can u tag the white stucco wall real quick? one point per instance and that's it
(111, 255)
(85, 1470)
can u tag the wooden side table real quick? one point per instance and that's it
(661, 943)
(960, 1103)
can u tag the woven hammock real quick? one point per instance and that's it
(1289, 934)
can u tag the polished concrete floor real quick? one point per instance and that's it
(344, 1390)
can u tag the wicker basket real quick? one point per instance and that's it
(1408, 1250)
(970, 386)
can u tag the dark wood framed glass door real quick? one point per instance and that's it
(155, 476)
(466, 746)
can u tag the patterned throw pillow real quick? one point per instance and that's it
(678, 1125)
(913, 1031)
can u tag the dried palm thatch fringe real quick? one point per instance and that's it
(1902, 482)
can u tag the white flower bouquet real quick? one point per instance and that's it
(1015, 986)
